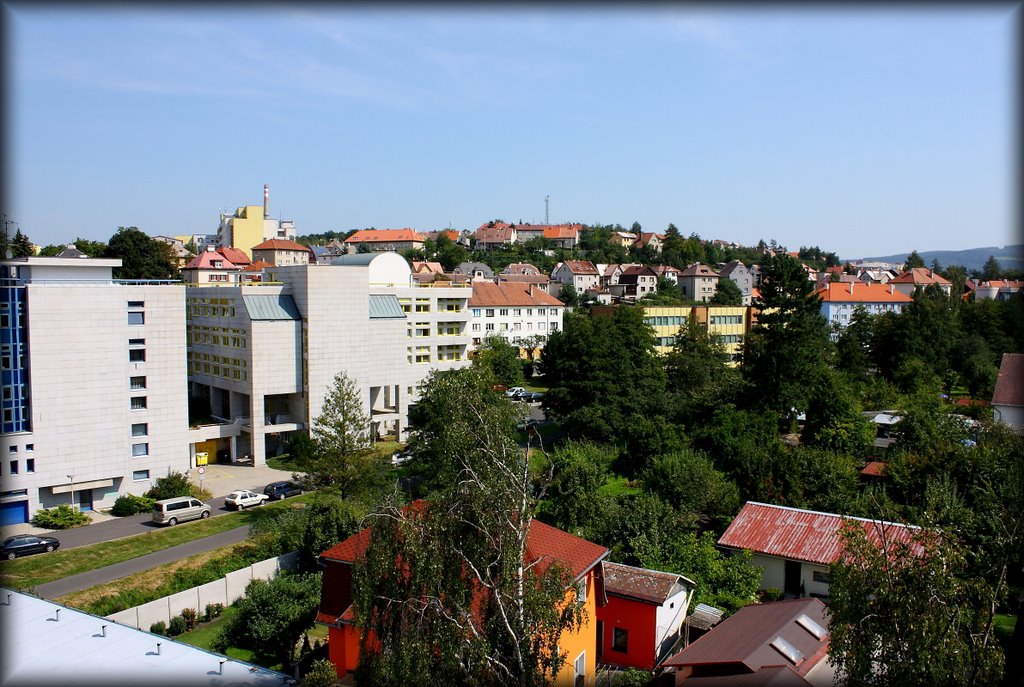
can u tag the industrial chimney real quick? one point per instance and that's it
(266, 201)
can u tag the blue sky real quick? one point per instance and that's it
(862, 131)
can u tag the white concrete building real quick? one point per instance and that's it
(263, 356)
(522, 314)
(93, 378)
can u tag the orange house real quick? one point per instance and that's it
(543, 543)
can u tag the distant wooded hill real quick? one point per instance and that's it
(1009, 257)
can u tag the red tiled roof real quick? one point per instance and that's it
(510, 293)
(421, 266)
(520, 268)
(859, 292)
(544, 543)
(562, 231)
(280, 244)
(384, 236)
(1010, 383)
(920, 276)
(645, 238)
(235, 255)
(206, 259)
(498, 225)
(652, 586)
(744, 638)
(873, 469)
(499, 233)
(799, 535)
(258, 266)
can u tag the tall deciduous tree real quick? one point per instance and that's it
(605, 379)
(727, 293)
(141, 257)
(904, 612)
(343, 458)
(502, 359)
(446, 592)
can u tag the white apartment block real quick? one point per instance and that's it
(93, 379)
(522, 314)
(262, 356)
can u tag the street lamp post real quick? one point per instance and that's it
(72, 478)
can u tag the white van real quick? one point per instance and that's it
(179, 509)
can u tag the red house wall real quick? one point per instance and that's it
(640, 620)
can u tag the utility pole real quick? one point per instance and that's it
(546, 199)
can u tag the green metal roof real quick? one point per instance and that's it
(279, 307)
(385, 307)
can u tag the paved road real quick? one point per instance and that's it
(91, 578)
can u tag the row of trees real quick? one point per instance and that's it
(141, 257)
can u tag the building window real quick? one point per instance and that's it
(620, 640)
(136, 342)
(12, 449)
(821, 577)
(503, 312)
(140, 450)
(140, 429)
(139, 475)
(490, 312)
(136, 318)
(490, 326)
(138, 383)
(476, 312)
(30, 447)
(136, 304)
(30, 465)
(14, 467)
(137, 355)
(139, 403)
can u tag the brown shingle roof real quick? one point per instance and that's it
(581, 266)
(698, 270)
(235, 255)
(744, 638)
(652, 586)
(1010, 383)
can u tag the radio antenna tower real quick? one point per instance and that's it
(546, 199)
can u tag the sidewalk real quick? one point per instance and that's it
(219, 479)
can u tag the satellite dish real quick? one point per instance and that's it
(8, 254)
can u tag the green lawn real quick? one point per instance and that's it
(204, 635)
(1004, 625)
(616, 486)
(26, 573)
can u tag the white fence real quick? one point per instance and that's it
(227, 590)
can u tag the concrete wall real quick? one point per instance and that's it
(226, 591)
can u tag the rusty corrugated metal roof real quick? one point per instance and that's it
(799, 535)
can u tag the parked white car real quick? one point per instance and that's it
(515, 391)
(243, 498)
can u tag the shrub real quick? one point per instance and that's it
(191, 618)
(321, 674)
(129, 504)
(632, 677)
(159, 628)
(177, 626)
(60, 518)
(212, 611)
(174, 484)
(771, 594)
